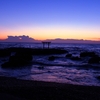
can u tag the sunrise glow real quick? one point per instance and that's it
(63, 19)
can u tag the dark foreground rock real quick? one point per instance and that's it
(68, 55)
(23, 56)
(35, 90)
(37, 51)
(94, 60)
(88, 54)
(18, 60)
(51, 58)
(76, 58)
(98, 77)
(5, 52)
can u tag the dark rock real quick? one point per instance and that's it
(94, 60)
(4, 52)
(41, 67)
(69, 55)
(51, 58)
(87, 54)
(6, 64)
(24, 57)
(37, 51)
(48, 51)
(75, 58)
(18, 60)
(98, 77)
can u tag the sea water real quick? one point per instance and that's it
(61, 70)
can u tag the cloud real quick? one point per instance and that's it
(19, 39)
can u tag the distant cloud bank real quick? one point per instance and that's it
(24, 38)
(19, 39)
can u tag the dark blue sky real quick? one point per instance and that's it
(70, 14)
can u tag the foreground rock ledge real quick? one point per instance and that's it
(37, 90)
(24, 56)
(36, 51)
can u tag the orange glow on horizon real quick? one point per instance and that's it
(44, 38)
(3, 37)
(43, 33)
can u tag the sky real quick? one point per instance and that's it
(50, 19)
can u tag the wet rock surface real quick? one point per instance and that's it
(36, 51)
(87, 54)
(94, 60)
(51, 58)
(68, 55)
(23, 56)
(18, 60)
(5, 52)
(76, 58)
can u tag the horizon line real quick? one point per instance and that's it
(93, 39)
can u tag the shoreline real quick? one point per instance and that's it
(17, 89)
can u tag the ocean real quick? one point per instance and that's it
(60, 70)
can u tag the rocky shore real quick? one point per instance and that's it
(16, 89)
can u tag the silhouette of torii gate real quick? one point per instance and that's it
(44, 43)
